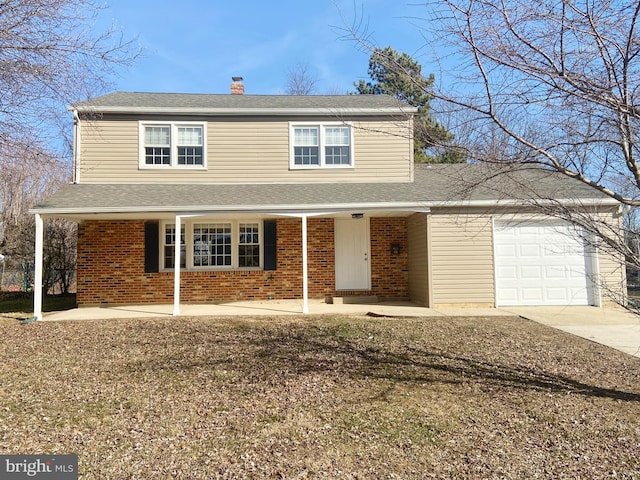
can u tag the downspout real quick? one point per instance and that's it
(430, 301)
(76, 147)
(176, 266)
(596, 278)
(305, 267)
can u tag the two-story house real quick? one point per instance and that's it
(214, 198)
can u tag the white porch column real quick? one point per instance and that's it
(305, 276)
(176, 267)
(37, 281)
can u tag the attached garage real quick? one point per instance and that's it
(544, 262)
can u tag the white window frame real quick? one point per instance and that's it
(321, 145)
(164, 244)
(173, 153)
(191, 247)
(188, 227)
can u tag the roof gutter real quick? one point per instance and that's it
(404, 110)
(320, 208)
(570, 202)
(281, 209)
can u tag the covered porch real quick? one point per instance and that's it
(313, 260)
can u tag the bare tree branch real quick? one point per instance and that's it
(549, 84)
(51, 55)
(300, 80)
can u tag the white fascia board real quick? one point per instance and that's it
(319, 209)
(247, 111)
(570, 202)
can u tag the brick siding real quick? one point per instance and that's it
(111, 266)
(389, 271)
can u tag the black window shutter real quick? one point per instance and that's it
(151, 247)
(270, 247)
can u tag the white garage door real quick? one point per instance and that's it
(541, 263)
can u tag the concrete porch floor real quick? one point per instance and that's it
(613, 327)
(269, 308)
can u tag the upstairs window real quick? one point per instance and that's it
(306, 149)
(190, 146)
(172, 145)
(157, 143)
(337, 146)
(321, 145)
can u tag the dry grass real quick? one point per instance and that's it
(321, 397)
(23, 302)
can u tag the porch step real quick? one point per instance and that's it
(354, 299)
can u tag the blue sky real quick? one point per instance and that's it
(196, 46)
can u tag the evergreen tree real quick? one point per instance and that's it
(400, 75)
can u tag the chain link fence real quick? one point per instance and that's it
(16, 276)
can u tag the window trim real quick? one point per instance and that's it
(173, 152)
(321, 145)
(188, 227)
(191, 245)
(163, 245)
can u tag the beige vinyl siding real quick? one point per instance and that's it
(462, 256)
(244, 150)
(418, 259)
(108, 150)
(462, 259)
(613, 275)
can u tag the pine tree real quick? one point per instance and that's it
(401, 76)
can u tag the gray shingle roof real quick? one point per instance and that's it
(434, 186)
(167, 102)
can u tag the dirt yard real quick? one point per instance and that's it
(320, 397)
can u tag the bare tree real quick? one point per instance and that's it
(59, 263)
(550, 84)
(300, 80)
(51, 55)
(28, 174)
(558, 79)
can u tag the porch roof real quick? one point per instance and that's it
(460, 185)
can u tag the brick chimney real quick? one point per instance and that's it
(237, 87)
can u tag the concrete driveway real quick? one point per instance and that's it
(613, 327)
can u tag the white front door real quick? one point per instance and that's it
(352, 254)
